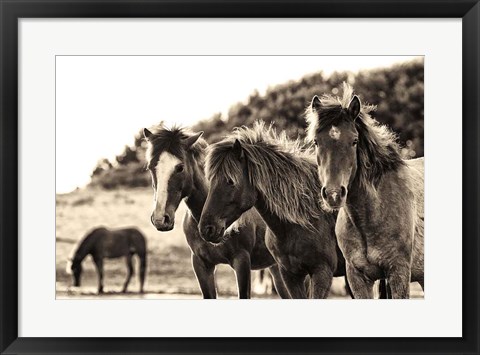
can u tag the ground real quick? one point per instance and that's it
(169, 270)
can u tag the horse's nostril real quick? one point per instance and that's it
(151, 219)
(166, 219)
(209, 231)
(324, 192)
(343, 191)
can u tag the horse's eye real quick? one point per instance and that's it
(230, 182)
(179, 168)
(355, 142)
(315, 142)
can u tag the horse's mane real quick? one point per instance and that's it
(283, 170)
(378, 150)
(172, 140)
(79, 250)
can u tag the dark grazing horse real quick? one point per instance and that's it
(102, 243)
(379, 195)
(258, 168)
(176, 162)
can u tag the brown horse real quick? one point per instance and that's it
(257, 168)
(379, 195)
(103, 243)
(176, 162)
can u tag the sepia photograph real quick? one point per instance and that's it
(239, 177)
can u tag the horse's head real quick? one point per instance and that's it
(170, 158)
(230, 193)
(74, 268)
(336, 137)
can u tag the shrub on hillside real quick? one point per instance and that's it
(397, 92)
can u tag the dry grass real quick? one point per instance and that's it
(169, 273)
(169, 267)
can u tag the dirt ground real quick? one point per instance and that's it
(169, 271)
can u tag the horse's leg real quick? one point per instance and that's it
(278, 282)
(308, 286)
(99, 264)
(242, 266)
(361, 285)
(205, 276)
(129, 272)
(348, 288)
(143, 268)
(295, 284)
(383, 289)
(321, 282)
(398, 279)
(422, 284)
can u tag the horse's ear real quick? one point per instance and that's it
(190, 141)
(237, 148)
(146, 133)
(316, 104)
(354, 107)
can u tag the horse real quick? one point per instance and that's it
(103, 243)
(175, 159)
(378, 194)
(256, 167)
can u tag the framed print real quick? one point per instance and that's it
(223, 177)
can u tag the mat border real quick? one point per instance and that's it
(11, 11)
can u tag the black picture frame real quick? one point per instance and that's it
(12, 11)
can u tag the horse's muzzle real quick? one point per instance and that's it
(164, 228)
(163, 224)
(334, 198)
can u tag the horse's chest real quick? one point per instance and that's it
(291, 262)
(292, 253)
(360, 250)
(209, 252)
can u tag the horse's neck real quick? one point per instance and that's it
(359, 204)
(196, 200)
(82, 251)
(271, 219)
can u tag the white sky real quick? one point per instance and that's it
(102, 102)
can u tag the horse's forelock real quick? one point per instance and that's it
(221, 162)
(172, 140)
(331, 110)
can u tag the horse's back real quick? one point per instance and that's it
(137, 239)
(416, 183)
(417, 170)
(417, 173)
(96, 236)
(115, 243)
